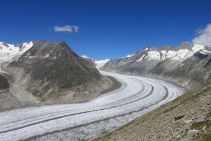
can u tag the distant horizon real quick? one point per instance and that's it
(107, 28)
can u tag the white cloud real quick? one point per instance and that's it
(66, 28)
(76, 28)
(203, 36)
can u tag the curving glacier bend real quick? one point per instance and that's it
(137, 96)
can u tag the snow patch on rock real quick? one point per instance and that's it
(181, 55)
(141, 59)
(153, 55)
(197, 47)
(205, 52)
(130, 55)
(84, 56)
(163, 54)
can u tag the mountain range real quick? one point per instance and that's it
(185, 64)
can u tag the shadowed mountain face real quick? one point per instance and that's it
(51, 66)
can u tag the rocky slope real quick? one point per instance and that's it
(50, 72)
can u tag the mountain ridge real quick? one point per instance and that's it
(160, 62)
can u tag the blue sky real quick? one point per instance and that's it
(107, 28)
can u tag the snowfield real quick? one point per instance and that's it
(84, 121)
(9, 52)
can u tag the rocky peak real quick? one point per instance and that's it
(52, 65)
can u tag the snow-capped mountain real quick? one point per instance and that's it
(172, 53)
(157, 61)
(8, 52)
(179, 54)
